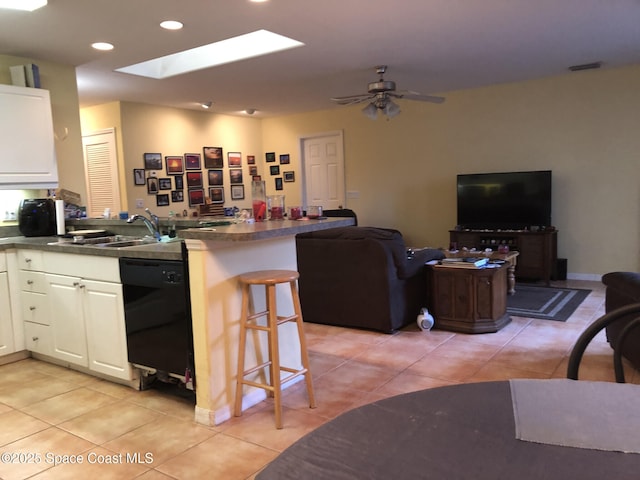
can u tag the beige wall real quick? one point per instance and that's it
(583, 126)
(144, 128)
(60, 80)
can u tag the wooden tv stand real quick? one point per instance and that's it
(538, 250)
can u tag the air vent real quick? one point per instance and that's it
(585, 66)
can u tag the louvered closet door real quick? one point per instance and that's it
(101, 170)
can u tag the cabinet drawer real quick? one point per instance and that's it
(30, 260)
(35, 308)
(34, 282)
(37, 338)
(3, 262)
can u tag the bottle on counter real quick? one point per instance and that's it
(172, 224)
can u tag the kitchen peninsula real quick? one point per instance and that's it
(217, 255)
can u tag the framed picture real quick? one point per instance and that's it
(215, 177)
(177, 196)
(237, 192)
(274, 169)
(162, 200)
(289, 176)
(234, 159)
(192, 161)
(164, 183)
(179, 182)
(216, 194)
(194, 179)
(253, 170)
(153, 161)
(138, 176)
(175, 165)
(270, 157)
(279, 183)
(235, 176)
(251, 159)
(212, 157)
(152, 185)
(196, 197)
(284, 159)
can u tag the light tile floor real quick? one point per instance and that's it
(46, 408)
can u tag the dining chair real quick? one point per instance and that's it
(592, 330)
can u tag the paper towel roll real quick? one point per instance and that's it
(60, 217)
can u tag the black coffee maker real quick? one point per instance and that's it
(37, 217)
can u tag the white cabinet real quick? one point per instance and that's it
(106, 335)
(26, 139)
(73, 310)
(34, 302)
(6, 327)
(87, 324)
(69, 339)
(87, 313)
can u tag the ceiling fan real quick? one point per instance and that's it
(381, 95)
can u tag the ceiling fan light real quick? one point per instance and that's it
(371, 111)
(391, 109)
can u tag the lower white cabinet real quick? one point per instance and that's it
(73, 310)
(66, 319)
(6, 324)
(87, 324)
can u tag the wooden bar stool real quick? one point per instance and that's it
(270, 278)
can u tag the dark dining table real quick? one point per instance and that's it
(512, 430)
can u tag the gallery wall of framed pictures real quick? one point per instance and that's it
(199, 178)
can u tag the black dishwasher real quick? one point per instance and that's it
(158, 318)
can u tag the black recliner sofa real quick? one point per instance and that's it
(361, 277)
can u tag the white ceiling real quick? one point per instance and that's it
(431, 46)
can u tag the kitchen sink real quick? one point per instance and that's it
(114, 241)
(109, 241)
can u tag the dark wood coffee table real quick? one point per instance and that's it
(510, 257)
(468, 300)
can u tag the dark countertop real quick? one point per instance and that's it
(162, 251)
(263, 230)
(173, 250)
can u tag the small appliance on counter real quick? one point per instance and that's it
(37, 217)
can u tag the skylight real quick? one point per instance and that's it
(254, 44)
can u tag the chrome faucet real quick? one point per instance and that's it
(152, 225)
(154, 219)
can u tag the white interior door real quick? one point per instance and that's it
(323, 163)
(101, 172)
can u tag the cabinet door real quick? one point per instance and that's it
(106, 335)
(6, 327)
(67, 319)
(26, 137)
(533, 256)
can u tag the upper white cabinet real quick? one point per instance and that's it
(26, 139)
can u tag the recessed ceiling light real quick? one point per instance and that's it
(250, 111)
(102, 46)
(258, 1)
(171, 25)
(206, 105)
(254, 44)
(27, 5)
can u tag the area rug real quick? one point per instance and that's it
(546, 303)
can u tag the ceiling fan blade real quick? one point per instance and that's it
(411, 95)
(352, 99)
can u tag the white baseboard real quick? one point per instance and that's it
(212, 418)
(593, 277)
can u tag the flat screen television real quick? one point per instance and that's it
(506, 200)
